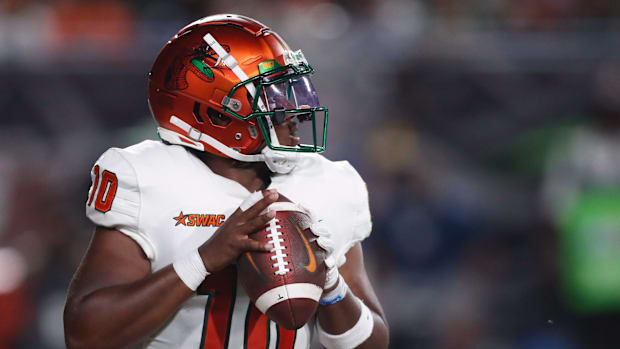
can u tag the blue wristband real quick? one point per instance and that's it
(331, 301)
(337, 294)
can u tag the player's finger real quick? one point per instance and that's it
(269, 196)
(250, 201)
(326, 244)
(257, 223)
(250, 244)
(320, 229)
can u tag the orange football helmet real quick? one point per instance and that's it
(222, 83)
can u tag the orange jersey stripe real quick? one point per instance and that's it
(286, 338)
(256, 329)
(220, 287)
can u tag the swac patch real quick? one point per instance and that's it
(199, 220)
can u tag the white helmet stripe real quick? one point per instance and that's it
(231, 63)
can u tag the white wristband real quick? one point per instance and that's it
(191, 270)
(331, 277)
(337, 294)
(354, 336)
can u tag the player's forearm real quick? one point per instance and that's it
(118, 316)
(342, 316)
(380, 337)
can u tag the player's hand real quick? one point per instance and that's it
(324, 239)
(231, 238)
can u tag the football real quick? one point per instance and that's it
(286, 283)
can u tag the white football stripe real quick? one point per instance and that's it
(284, 292)
(284, 206)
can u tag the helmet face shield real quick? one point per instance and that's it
(290, 93)
(285, 93)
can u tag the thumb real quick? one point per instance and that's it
(330, 262)
(319, 229)
(326, 244)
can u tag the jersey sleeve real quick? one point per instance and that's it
(114, 198)
(354, 202)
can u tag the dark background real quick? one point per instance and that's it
(487, 132)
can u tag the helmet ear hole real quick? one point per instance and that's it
(197, 113)
(217, 118)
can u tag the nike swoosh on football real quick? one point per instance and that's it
(247, 254)
(311, 266)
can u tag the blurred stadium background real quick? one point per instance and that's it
(488, 132)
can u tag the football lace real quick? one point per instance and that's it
(278, 247)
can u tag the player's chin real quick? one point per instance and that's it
(293, 141)
(289, 141)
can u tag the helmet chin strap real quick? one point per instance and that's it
(277, 161)
(280, 161)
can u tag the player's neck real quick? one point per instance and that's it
(253, 176)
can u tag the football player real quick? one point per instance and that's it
(172, 216)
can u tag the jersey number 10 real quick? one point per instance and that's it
(105, 187)
(222, 307)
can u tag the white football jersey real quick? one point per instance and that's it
(170, 202)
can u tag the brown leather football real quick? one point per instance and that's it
(286, 283)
